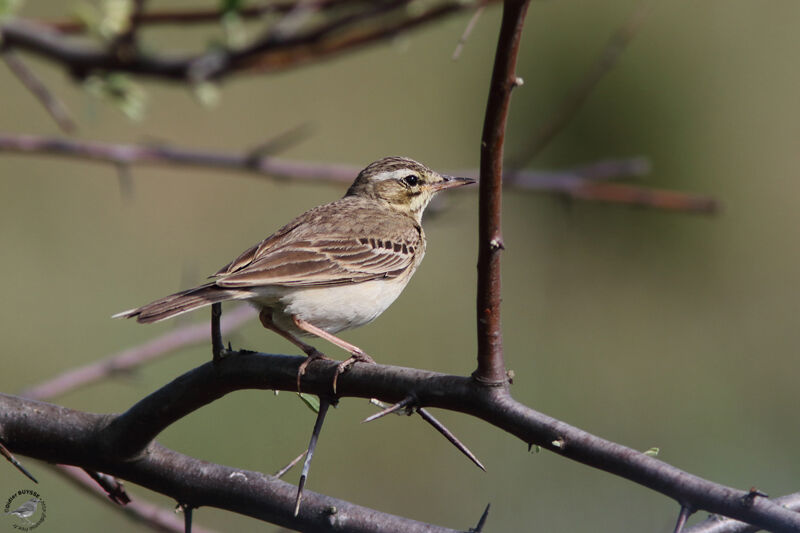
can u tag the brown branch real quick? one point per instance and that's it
(580, 183)
(720, 524)
(184, 17)
(102, 442)
(491, 367)
(473, 21)
(273, 51)
(123, 46)
(51, 104)
(312, 47)
(151, 515)
(128, 359)
(67, 436)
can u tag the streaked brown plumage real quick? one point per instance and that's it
(335, 267)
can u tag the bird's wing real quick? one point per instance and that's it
(320, 261)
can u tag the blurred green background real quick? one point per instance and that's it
(647, 328)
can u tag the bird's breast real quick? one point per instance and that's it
(338, 307)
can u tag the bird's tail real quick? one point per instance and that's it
(183, 302)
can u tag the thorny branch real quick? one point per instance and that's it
(156, 517)
(107, 442)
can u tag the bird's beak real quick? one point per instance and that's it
(451, 182)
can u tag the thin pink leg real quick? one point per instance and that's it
(357, 355)
(313, 354)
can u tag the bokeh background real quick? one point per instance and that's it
(647, 328)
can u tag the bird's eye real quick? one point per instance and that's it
(411, 180)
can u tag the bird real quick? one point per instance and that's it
(335, 267)
(26, 510)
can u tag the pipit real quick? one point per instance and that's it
(335, 267)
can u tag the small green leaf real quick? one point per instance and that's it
(207, 93)
(118, 89)
(234, 30)
(227, 6)
(652, 452)
(116, 18)
(311, 401)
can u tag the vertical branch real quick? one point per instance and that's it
(491, 367)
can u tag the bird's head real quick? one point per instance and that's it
(402, 184)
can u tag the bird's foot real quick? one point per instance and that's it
(313, 355)
(344, 366)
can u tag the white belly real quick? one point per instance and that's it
(333, 308)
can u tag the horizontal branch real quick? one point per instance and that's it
(65, 436)
(273, 51)
(720, 524)
(129, 359)
(186, 17)
(584, 183)
(41, 430)
(158, 518)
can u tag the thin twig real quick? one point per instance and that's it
(282, 471)
(473, 20)
(405, 402)
(186, 17)
(617, 43)
(579, 183)
(350, 30)
(131, 358)
(52, 105)
(429, 418)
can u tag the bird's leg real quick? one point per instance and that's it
(313, 354)
(357, 355)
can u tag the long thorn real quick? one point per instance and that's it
(482, 520)
(286, 468)
(391, 409)
(187, 518)
(216, 334)
(427, 417)
(113, 487)
(682, 517)
(13, 460)
(324, 403)
(52, 105)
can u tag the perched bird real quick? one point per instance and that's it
(335, 267)
(26, 510)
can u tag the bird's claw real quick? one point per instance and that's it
(313, 355)
(344, 366)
